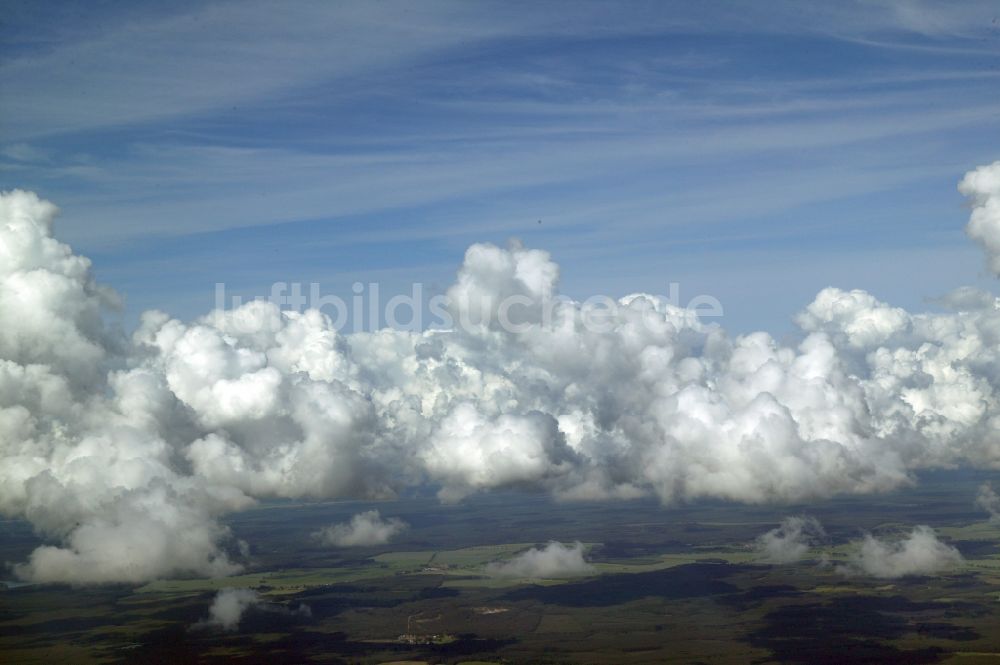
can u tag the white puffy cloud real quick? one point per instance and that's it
(989, 500)
(228, 608)
(49, 303)
(982, 185)
(919, 553)
(555, 560)
(230, 605)
(790, 541)
(853, 319)
(140, 536)
(125, 451)
(364, 529)
(468, 451)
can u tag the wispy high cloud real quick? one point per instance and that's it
(223, 137)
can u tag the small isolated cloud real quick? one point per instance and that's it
(919, 553)
(989, 500)
(790, 541)
(367, 528)
(231, 605)
(228, 608)
(553, 560)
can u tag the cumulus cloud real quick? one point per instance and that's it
(367, 528)
(919, 553)
(124, 451)
(967, 299)
(555, 560)
(228, 608)
(989, 500)
(982, 186)
(790, 541)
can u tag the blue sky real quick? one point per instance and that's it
(757, 152)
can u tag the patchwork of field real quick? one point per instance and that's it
(678, 584)
(468, 565)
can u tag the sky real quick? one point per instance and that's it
(754, 152)
(779, 157)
